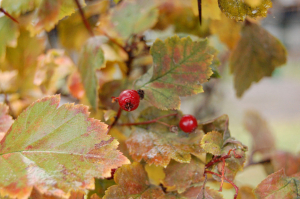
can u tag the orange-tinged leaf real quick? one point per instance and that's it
(246, 192)
(256, 55)
(9, 33)
(239, 10)
(156, 144)
(191, 173)
(55, 150)
(287, 161)
(228, 30)
(129, 17)
(75, 85)
(5, 119)
(132, 182)
(212, 142)
(17, 7)
(179, 68)
(263, 140)
(91, 59)
(278, 185)
(49, 12)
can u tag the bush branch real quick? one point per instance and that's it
(8, 15)
(85, 22)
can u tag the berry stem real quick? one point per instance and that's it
(8, 15)
(232, 183)
(216, 160)
(116, 120)
(85, 22)
(150, 121)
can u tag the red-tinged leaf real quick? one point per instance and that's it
(5, 119)
(219, 124)
(55, 150)
(75, 85)
(132, 182)
(263, 140)
(207, 193)
(9, 33)
(212, 142)
(239, 10)
(287, 161)
(278, 185)
(156, 144)
(256, 55)
(91, 59)
(49, 12)
(129, 17)
(246, 192)
(192, 173)
(35, 194)
(180, 66)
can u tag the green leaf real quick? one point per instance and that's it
(91, 59)
(17, 7)
(257, 54)
(49, 12)
(101, 185)
(192, 173)
(212, 143)
(180, 66)
(278, 185)
(129, 17)
(9, 32)
(56, 150)
(155, 144)
(239, 10)
(132, 182)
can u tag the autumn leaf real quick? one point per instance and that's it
(101, 185)
(17, 7)
(8, 81)
(75, 85)
(228, 30)
(287, 161)
(257, 54)
(263, 140)
(155, 143)
(207, 193)
(49, 12)
(246, 192)
(192, 174)
(132, 182)
(55, 150)
(253, 3)
(210, 9)
(212, 142)
(179, 68)
(128, 18)
(91, 59)
(9, 33)
(239, 10)
(5, 119)
(278, 185)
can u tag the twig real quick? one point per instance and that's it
(200, 11)
(85, 22)
(150, 121)
(116, 120)
(217, 160)
(232, 183)
(8, 15)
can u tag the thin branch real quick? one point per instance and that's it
(85, 22)
(200, 11)
(150, 121)
(8, 15)
(232, 183)
(217, 160)
(116, 120)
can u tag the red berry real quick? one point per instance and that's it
(188, 123)
(129, 100)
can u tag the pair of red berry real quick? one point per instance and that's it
(129, 100)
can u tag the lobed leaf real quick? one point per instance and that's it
(239, 10)
(191, 173)
(9, 33)
(91, 59)
(132, 182)
(212, 142)
(256, 55)
(55, 150)
(278, 185)
(155, 144)
(129, 18)
(179, 68)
